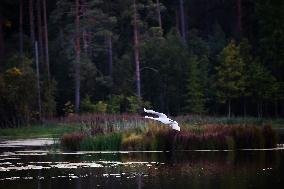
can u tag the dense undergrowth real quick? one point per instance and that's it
(157, 137)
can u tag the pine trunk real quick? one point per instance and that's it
(32, 29)
(245, 107)
(136, 52)
(1, 38)
(182, 20)
(39, 30)
(110, 60)
(21, 43)
(259, 109)
(159, 13)
(46, 40)
(85, 42)
(38, 80)
(177, 20)
(276, 108)
(77, 62)
(229, 108)
(239, 19)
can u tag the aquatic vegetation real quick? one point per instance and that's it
(72, 141)
(110, 141)
(156, 137)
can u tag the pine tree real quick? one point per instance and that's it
(230, 75)
(195, 98)
(262, 85)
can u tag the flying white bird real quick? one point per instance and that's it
(163, 118)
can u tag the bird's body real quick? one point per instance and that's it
(163, 118)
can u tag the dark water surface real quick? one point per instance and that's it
(28, 168)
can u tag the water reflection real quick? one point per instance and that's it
(83, 170)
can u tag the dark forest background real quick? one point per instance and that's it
(206, 57)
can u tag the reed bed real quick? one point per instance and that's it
(106, 122)
(157, 137)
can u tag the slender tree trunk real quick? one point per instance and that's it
(136, 52)
(21, 43)
(177, 20)
(1, 37)
(245, 107)
(85, 41)
(38, 80)
(110, 60)
(77, 62)
(276, 108)
(39, 30)
(259, 109)
(229, 108)
(239, 19)
(159, 13)
(32, 28)
(182, 20)
(46, 39)
(61, 37)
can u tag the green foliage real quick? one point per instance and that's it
(87, 105)
(195, 97)
(133, 104)
(262, 83)
(246, 73)
(114, 103)
(18, 91)
(230, 74)
(48, 98)
(68, 108)
(100, 107)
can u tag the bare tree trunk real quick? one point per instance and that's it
(21, 43)
(46, 40)
(239, 18)
(182, 20)
(136, 52)
(259, 108)
(32, 28)
(159, 13)
(229, 108)
(110, 60)
(85, 42)
(177, 20)
(276, 108)
(39, 27)
(1, 37)
(38, 80)
(77, 62)
(245, 107)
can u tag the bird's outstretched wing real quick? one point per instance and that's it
(161, 115)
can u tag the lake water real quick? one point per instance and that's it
(28, 165)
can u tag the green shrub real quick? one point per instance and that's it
(87, 105)
(100, 107)
(113, 104)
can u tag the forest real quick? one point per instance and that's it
(182, 57)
